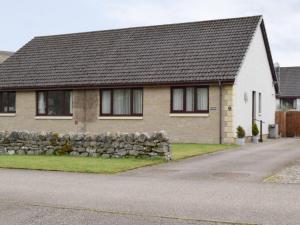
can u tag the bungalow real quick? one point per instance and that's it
(197, 81)
(289, 83)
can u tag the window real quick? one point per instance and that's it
(189, 100)
(121, 102)
(54, 103)
(259, 103)
(8, 102)
(288, 103)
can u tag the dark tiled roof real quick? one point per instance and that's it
(289, 82)
(4, 55)
(175, 53)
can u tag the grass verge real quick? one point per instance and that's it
(182, 151)
(100, 165)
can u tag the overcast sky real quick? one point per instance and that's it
(21, 20)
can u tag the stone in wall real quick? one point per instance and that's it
(86, 145)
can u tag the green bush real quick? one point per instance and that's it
(240, 132)
(54, 139)
(65, 149)
(255, 130)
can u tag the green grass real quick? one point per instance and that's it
(182, 151)
(100, 165)
(74, 164)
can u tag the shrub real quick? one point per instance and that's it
(240, 132)
(54, 139)
(65, 149)
(255, 130)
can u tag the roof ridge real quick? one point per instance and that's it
(6, 52)
(148, 26)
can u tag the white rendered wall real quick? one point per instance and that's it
(254, 75)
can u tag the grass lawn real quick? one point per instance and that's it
(100, 165)
(182, 151)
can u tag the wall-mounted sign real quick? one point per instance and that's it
(213, 108)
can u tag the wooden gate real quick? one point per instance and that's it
(289, 123)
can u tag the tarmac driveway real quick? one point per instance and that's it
(250, 163)
(221, 188)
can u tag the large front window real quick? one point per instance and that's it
(8, 102)
(121, 102)
(54, 103)
(189, 100)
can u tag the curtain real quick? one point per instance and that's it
(71, 102)
(137, 101)
(68, 103)
(177, 99)
(202, 98)
(106, 100)
(190, 99)
(41, 103)
(5, 101)
(11, 101)
(121, 101)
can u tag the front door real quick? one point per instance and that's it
(253, 106)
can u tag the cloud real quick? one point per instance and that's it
(35, 17)
(282, 18)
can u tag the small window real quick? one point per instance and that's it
(288, 103)
(259, 103)
(189, 100)
(8, 102)
(54, 103)
(121, 102)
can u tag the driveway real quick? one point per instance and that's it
(251, 163)
(221, 188)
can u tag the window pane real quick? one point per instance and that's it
(12, 101)
(106, 101)
(202, 98)
(121, 100)
(190, 99)
(177, 99)
(68, 103)
(41, 103)
(137, 101)
(55, 103)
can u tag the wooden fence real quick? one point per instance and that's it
(289, 123)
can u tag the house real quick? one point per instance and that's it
(4, 55)
(197, 81)
(289, 83)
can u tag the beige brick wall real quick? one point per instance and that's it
(156, 117)
(228, 95)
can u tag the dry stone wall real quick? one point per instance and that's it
(102, 145)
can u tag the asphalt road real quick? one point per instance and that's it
(221, 188)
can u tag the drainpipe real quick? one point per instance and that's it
(221, 111)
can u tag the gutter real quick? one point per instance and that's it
(113, 85)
